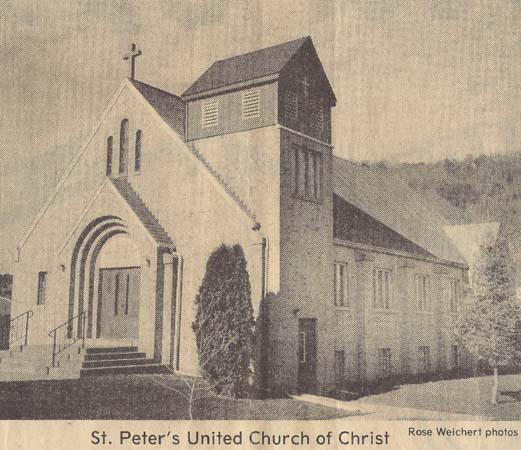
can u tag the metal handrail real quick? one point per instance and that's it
(25, 336)
(56, 349)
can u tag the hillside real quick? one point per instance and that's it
(477, 189)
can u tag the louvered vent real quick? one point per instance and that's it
(317, 117)
(292, 105)
(251, 104)
(210, 114)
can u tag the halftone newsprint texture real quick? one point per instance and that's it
(300, 218)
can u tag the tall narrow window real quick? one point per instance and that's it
(306, 172)
(296, 170)
(421, 290)
(340, 367)
(384, 359)
(341, 285)
(123, 147)
(110, 151)
(42, 285)
(137, 154)
(210, 113)
(382, 288)
(251, 104)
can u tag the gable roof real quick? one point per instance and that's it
(386, 198)
(169, 106)
(354, 225)
(246, 67)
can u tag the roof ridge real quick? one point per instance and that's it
(270, 47)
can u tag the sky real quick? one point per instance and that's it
(415, 80)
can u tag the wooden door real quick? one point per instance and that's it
(307, 355)
(119, 302)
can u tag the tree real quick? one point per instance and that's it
(224, 322)
(489, 324)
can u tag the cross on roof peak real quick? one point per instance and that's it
(131, 57)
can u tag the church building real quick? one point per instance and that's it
(355, 271)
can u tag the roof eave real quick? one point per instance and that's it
(231, 87)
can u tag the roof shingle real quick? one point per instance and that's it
(246, 67)
(386, 198)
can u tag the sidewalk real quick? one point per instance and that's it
(375, 411)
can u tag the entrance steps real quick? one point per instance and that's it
(32, 362)
(117, 361)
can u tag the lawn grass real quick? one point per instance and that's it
(139, 397)
(465, 396)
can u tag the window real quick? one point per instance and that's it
(455, 356)
(316, 174)
(210, 115)
(42, 282)
(382, 288)
(251, 104)
(137, 154)
(292, 106)
(307, 173)
(123, 147)
(424, 359)
(108, 167)
(421, 291)
(341, 279)
(454, 294)
(296, 170)
(340, 367)
(302, 346)
(384, 360)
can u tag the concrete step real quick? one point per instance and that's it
(97, 350)
(105, 356)
(123, 370)
(117, 363)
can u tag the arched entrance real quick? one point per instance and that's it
(105, 282)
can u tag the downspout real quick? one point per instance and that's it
(263, 268)
(177, 313)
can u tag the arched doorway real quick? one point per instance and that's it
(105, 282)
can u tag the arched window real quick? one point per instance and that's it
(123, 147)
(137, 155)
(108, 167)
